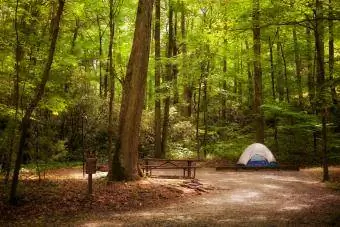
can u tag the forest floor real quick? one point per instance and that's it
(261, 198)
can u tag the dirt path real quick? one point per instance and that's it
(242, 199)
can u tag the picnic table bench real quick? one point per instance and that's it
(188, 165)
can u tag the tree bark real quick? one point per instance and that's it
(100, 37)
(297, 65)
(25, 123)
(168, 79)
(310, 68)
(224, 91)
(272, 71)
(321, 91)
(250, 80)
(15, 100)
(240, 71)
(285, 73)
(279, 79)
(257, 73)
(174, 65)
(112, 92)
(188, 83)
(205, 112)
(126, 156)
(331, 50)
(158, 123)
(198, 112)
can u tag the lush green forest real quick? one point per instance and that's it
(201, 78)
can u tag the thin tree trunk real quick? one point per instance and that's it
(250, 80)
(320, 50)
(279, 80)
(285, 73)
(175, 68)
(297, 65)
(25, 124)
(198, 112)
(75, 35)
(257, 73)
(168, 79)
(112, 92)
(158, 123)
(224, 91)
(331, 49)
(188, 83)
(205, 113)
(311, 80)
(15, 101)
(100, 36)
(240, 83)
(276, 135)
(272, 71)
(126, 155)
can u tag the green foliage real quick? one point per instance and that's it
(228, 151)
(73, 115)
(177, 151)
(287, 113)
(51, 165)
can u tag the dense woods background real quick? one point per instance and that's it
(222, 75)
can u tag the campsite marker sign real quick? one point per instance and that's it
(91, 167)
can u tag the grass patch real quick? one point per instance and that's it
(51, 165)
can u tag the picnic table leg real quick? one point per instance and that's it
(189, 169)
(147, 167)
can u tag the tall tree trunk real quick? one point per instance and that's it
(150, 93)
(205, 102)
(126, 155)
(198, 147)
(100, 37)
(276, 137)
(175, 68)
(168, 79)
(279, 79)
(285, 73)
(250, 80)
(158, 138)
(331, 49)
(239, 86)
(105, 82)
(321, 91)
(297, 65)
(310, 68)
(257, 73)
(188, 83)
(112, 92)
(224, 91)
(272, 71)
(19, 54)
(25, 123)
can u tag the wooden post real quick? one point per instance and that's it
(90, 183)
(90, 169)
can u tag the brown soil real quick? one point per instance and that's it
(261, 198)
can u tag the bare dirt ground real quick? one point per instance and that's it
(261, 198)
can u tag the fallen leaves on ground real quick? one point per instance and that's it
(67, 198)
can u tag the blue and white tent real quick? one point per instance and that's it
(257, 155)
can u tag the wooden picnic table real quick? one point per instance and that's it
(188, 165)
